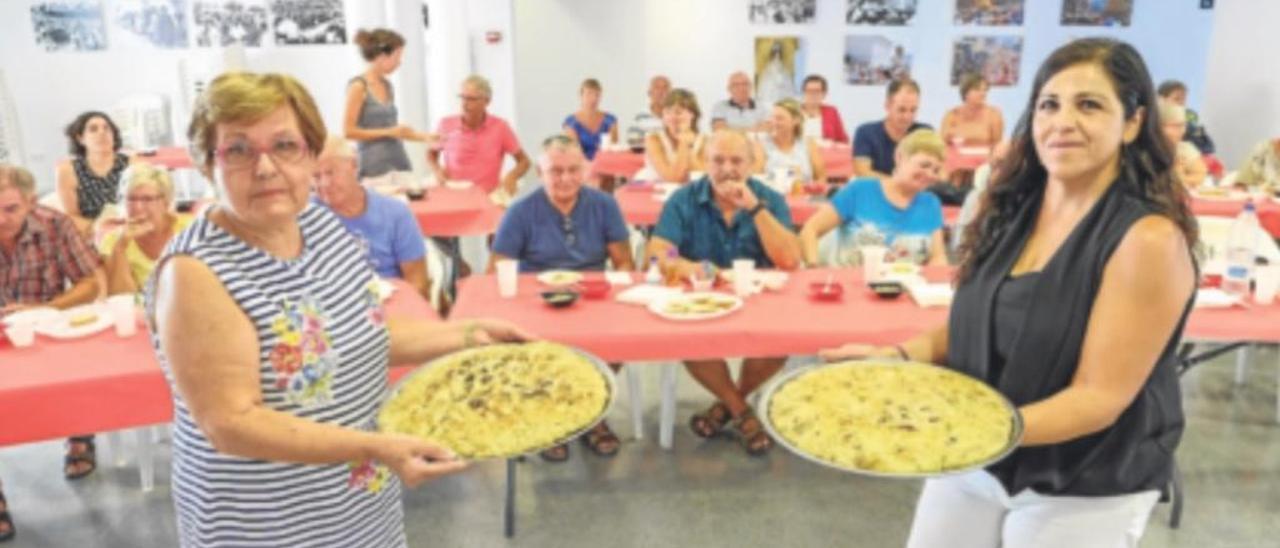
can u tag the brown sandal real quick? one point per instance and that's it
(601, 440)
(559, 453)
(709, 423)
(752, 434)
(81, 459)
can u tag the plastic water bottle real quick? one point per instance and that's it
(1241, 246)
(653, 275)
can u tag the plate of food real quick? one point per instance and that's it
(501, 401)
(890, 418)
(695, 306)
(559, 278)
(80, 321)
(1220, 194)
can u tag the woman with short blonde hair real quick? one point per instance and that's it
(132, 243)
(785, 156)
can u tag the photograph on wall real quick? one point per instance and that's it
(221, 23)
(69, 26)
(872, 60)
(308, 22)
(991, 13)
(996, 58)
(1097, 13)
(783, 11)
(155, 23)
(880, 12)
(779, 63)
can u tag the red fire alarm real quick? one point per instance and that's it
(493, 37)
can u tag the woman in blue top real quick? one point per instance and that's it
(895, 213)
(590, 123)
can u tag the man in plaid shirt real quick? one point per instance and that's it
(44, 260)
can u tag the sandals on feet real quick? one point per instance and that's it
(752, 434)
(601, 440)
(6, 520)
(710, 422)
(85, 455)
(559, 453)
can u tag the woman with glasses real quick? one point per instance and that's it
(266, 319)
(132, 244)
(566, 226)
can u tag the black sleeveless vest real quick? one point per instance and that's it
(1134, 454)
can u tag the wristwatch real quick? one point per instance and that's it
(755, 210)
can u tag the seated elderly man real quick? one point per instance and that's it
(739, 111)
(566, 226)
(45, 261)
(384, 225)
(724, 216)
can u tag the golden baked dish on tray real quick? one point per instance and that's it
(501, 401)
(890, 418)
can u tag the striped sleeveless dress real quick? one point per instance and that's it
(323, 356)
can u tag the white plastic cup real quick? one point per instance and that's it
(872, 262)
(21, 334)
(1267, 282)
(744, 273)
(123, 314)
(508, 270)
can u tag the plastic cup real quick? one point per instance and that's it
(872, 262)
(744, 271)
(123, 314)
(21, 334)
(1267, 282)
(507, 278)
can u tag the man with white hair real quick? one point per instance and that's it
(725, 216)
(739, 111)
(476, 142)
(650, 120)
(384, 225)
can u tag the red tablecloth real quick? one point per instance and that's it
(770, 324)
(639, 207)
(1268, 211)
(449, 212)
(101, 383)
(838, 160)
(169, 157)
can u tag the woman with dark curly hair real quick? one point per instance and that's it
(90, 178)
(1075, 283)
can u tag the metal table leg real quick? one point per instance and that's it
(146, 464)
(1242, 361)
(509, 513)
(667, 418)
(635, 394)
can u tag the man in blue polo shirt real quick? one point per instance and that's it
(566, 226)
(875, 142)
(724, 216)
(384, 226)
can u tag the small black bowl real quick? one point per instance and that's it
(888, 290)
(560, 298)
(416, 194)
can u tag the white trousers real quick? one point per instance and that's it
(973, 511)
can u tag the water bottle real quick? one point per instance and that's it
(1241, 246)
(653, 275)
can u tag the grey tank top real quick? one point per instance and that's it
(379, 156)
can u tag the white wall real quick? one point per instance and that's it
(699, 43)
(1241, 102)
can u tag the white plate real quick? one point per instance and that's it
(41, 315)
(62, 328)
(559, 278)
(1215, 298)
(659, 306)
(458, 185)
(1230, 196)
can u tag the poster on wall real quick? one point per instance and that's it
(221, 23)
(996, 58)
(782, 11)
(992, 13)
(873, 60)
(69, 26)
(1097, 13)
(156, 23)
(779, 63)
(880, 12)
(308, 22)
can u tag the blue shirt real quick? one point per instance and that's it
(868, 218)
(590, 142)
(872, 141)
(388, 232)
(693, 222)
(536, 234)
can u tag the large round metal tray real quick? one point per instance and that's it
(766, 398)
(610, 383)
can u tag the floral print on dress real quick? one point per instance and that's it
(367, 476)
(303, 358)
(373, 299)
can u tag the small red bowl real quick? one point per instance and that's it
(820, 291)
(594, 289)
(1211, 280)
